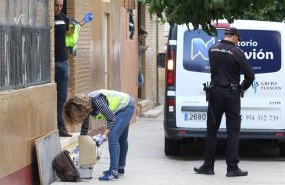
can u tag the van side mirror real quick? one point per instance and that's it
(160, 59)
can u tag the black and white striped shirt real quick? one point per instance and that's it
(100, 105)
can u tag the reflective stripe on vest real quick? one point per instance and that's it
(117, 100)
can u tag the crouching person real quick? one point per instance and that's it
(117, 109)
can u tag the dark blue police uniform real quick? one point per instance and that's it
(226, 63)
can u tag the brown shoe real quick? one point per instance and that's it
(63, 132)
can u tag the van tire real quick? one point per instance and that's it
(171, 146)
(282, 149)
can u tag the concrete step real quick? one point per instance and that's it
(154, 113)
(145, 105)
(69, 143)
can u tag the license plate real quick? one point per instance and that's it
(195, 116)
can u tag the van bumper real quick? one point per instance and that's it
(173, 132)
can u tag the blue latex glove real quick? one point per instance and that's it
(88, 17)
(101, 140)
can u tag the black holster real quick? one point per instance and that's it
(208, 89)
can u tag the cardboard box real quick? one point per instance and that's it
(88, 151)
(86, 157)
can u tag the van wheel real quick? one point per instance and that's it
(171, 146)
(282, 149)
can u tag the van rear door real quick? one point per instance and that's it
(262, 104)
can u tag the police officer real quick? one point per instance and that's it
(226, 63)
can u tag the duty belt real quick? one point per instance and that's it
(229, 87)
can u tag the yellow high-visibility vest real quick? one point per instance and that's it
(117, 100)
(71, 40)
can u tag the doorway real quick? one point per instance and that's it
(106, 50)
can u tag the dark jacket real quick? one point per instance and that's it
(226, 63)
(61, 25)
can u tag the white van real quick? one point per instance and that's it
(187, 68)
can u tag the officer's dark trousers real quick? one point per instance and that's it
(227, 102)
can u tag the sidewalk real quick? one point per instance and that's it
(148, 165)
(141, 145)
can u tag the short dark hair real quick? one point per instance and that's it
(142, 31)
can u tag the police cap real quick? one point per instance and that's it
(232, 31)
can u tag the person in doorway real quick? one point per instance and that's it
(61, 28)
(141, 49)
(226, 63)
(117, 109)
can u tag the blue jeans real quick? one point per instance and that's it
(140, 79)
(61, 79)
(118, 137)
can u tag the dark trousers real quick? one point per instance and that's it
(61, 79)
(227, 102)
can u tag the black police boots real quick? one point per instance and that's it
(63, 132)
(204, 170)
(236, 172)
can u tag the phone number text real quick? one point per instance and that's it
(259, 117)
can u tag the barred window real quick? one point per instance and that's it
(129, 4)
(24, 43)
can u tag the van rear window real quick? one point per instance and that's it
(261, 47)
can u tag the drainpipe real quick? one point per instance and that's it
(157, 80)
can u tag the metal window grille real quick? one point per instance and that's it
(24, 44)
(129, 4)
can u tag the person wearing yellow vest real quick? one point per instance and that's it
(71, 38)
(117, 108)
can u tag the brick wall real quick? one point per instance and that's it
(154, 78)
(148, 66)
(102, 44)
(51, 20)
(128, 4)
(79, 65)
(79, 78)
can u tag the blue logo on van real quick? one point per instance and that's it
(254, 86)
(263, 56)
(200, 48)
